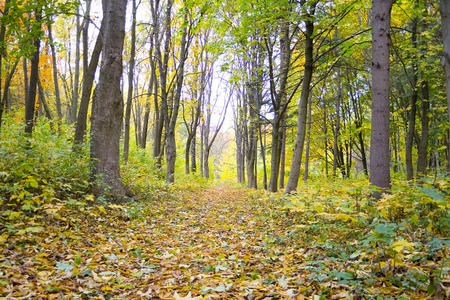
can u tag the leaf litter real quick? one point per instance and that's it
(220, 243)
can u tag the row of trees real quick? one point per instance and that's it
(319, 53)
(302, 69)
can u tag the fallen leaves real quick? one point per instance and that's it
(215, 244)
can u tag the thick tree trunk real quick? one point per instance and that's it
(379, 144)
(303, 105)
(445, 16)
(126, 140)
(107, 107)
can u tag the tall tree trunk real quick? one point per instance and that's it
(413, 107)
(193, 155)
(283, 128)
(44, 103)
(107, 107)
(126, 140)
(4, 100)
(171, 148)
(76, 83)
(303, 105)
(445, 16)
(2, 54)
(279, 101)
(55, 73)
(88, 82)
(262, 145)
(423, 143)
(379, 144)
(34, 76)
(308, 140)
(336, 131)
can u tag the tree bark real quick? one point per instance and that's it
(445, 16)
(88, 82)
(34, 76)
(107, 108)
(76, 84)
(303, 105)
(308, 139)
(379, 144)
(413, 107)
(171, 148)
(55, 73)
(126, 140)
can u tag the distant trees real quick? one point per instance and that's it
(296, 73)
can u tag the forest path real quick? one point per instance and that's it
(219, 243)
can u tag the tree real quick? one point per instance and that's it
(126, 141)
(34, 75)
(303, 105)
(379, 144)
(445, 17)
(107, 107)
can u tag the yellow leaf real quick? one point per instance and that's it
(96, 277)
(102, 209)
(384, 213)
(400, 245)
(189, 296)
(3, 237)
(115, 206)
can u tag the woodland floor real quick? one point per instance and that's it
(219, 243)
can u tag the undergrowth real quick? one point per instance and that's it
(403, 237)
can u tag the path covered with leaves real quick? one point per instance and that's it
(220, 243)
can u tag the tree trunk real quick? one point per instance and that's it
(4, 100)
(34, 76)
(2, 54)
(171, 148)
(55, 73)
(423, 143)
(107, 107)
(126, 140)
(413, 107)
(193, 155)
(263, 155)
(88, 82)
(282, 152)
(308, 139)
(445, 16)
(336, 131)
(379, 144)
(303, 105)
(76, 84)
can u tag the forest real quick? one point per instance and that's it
(224, 149)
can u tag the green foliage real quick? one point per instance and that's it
(398, 237)
(40, 169)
